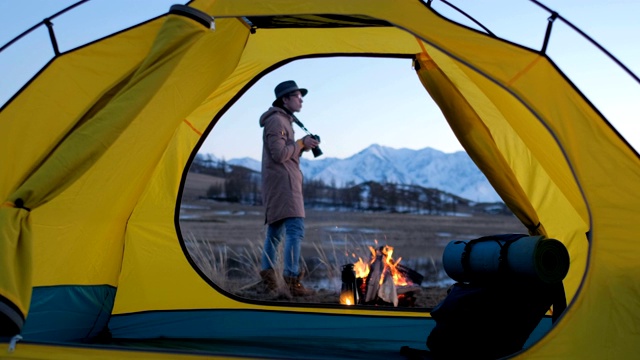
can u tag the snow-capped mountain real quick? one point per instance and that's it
(451, 172)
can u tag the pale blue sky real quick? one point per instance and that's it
(354, 102)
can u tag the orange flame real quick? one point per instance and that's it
(398, 278)
(362, 269)
(346, 298)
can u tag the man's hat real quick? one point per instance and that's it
(287, 87)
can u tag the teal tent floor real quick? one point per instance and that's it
(316, 348)
(313, 348)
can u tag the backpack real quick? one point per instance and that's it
(491, 320)
(499, 297)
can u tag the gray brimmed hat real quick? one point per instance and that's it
(287, 87)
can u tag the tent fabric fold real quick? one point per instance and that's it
(81, 148)
(477, 141)
(15, 256)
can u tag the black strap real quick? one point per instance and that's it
(504, 241)
(464, 258)
(534, 229)
(502, 258)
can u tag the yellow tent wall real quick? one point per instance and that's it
(579, 178)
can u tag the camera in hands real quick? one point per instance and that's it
(316, 150)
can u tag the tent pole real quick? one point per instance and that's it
(595, 43)
(547, 35)
(45, 21)
(52, 36)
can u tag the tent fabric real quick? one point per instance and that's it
(108, 152)
(87, 308)
(477, 140)
(94, 136)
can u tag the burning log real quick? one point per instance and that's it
(408, 273)
(374, 279)
(382, 282)
(387, 291)
(407, 295)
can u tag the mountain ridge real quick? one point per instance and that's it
(454, 172)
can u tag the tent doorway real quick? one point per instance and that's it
(368, 110)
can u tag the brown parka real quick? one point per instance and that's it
(281, 175)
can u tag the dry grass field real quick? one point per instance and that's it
(226, 239)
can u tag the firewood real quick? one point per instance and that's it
(407, 289)
(373, 280)
(387, 291)
(414, 276)
(379, 288)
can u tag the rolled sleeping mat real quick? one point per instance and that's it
(517, 256)
(540, 258)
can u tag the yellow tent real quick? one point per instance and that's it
(95, 150)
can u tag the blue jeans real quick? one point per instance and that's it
(292, 230)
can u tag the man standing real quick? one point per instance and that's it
(282, 186)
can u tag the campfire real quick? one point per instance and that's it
(381, 281)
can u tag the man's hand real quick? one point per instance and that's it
(308, 143)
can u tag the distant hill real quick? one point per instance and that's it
(197, 185)
(453, 173)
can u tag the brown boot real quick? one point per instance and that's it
(269, 279)
(296, 288)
